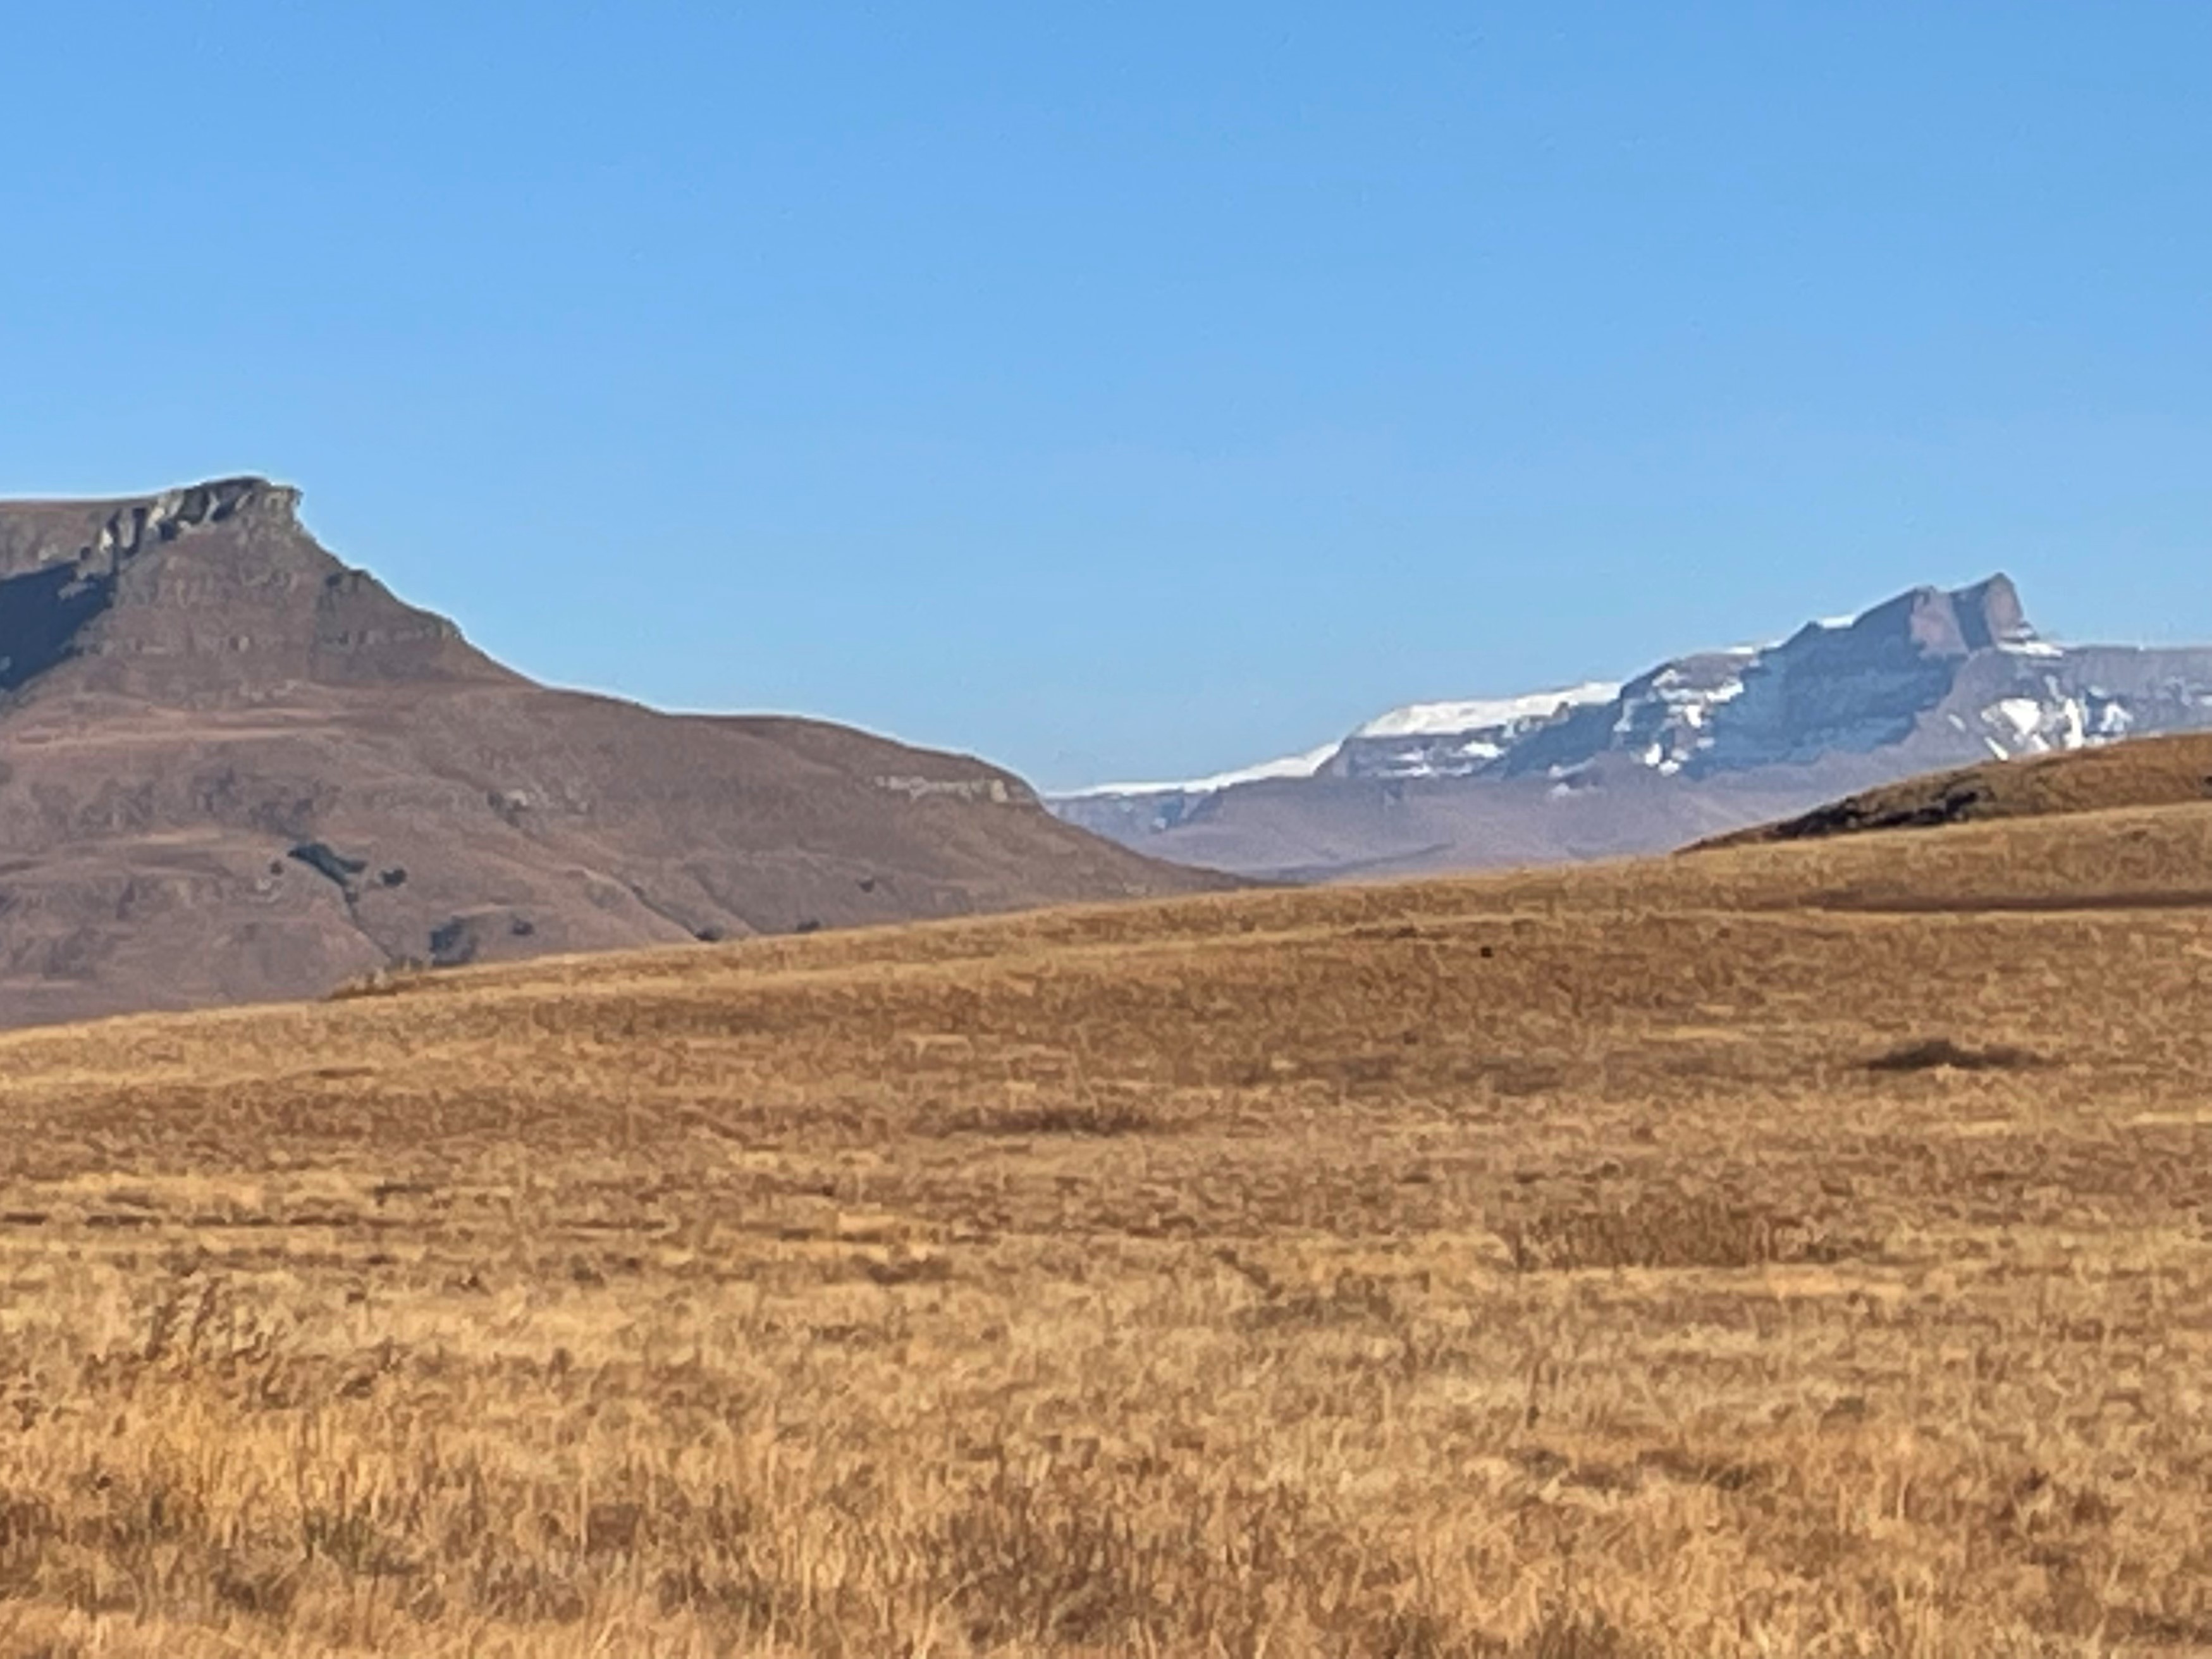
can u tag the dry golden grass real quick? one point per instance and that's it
(1600, 1265)
(2163, 771)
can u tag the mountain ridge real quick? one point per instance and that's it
(234, 767)
(121, 588)
(1928, 678)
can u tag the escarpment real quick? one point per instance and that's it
(234, 767)
(201, 596)
(95, 537)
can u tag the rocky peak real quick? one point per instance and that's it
(1932, 676)
(100, 536)
(135, 525)
(1990, 613)
(204, 593)
(1931, 622)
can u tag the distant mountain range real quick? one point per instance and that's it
(1697, 746)
(233, 766)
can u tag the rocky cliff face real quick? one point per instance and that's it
(1929, 678)
(95, 537)
(205, 595)
(1858, 688)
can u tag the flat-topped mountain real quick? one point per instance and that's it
(212, 596)
(233, 766)
(1698, 746)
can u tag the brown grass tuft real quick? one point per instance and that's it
(389, 981)
(1666, 1230)
(1079, 1117)
(1939, 1054)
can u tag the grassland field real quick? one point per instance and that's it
(1785, 1250)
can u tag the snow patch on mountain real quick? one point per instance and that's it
(1930, 678)
(1444, 719)
(1291, 766)
(2056, 720)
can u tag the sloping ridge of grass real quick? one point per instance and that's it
(2165, 771)
(1657, 1260)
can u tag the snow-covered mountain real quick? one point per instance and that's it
(1928, 679)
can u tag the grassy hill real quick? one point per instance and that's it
(2152, 772)
(1795, 1248)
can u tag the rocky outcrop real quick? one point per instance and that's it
(60, 565)
(998, 792)
(201, 596)
(129, 531)
(99, 537)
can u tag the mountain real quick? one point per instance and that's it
(1696, 747)
(233, 766)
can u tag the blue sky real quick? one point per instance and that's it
(1135, 389)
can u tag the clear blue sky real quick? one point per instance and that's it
(1135, 388)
